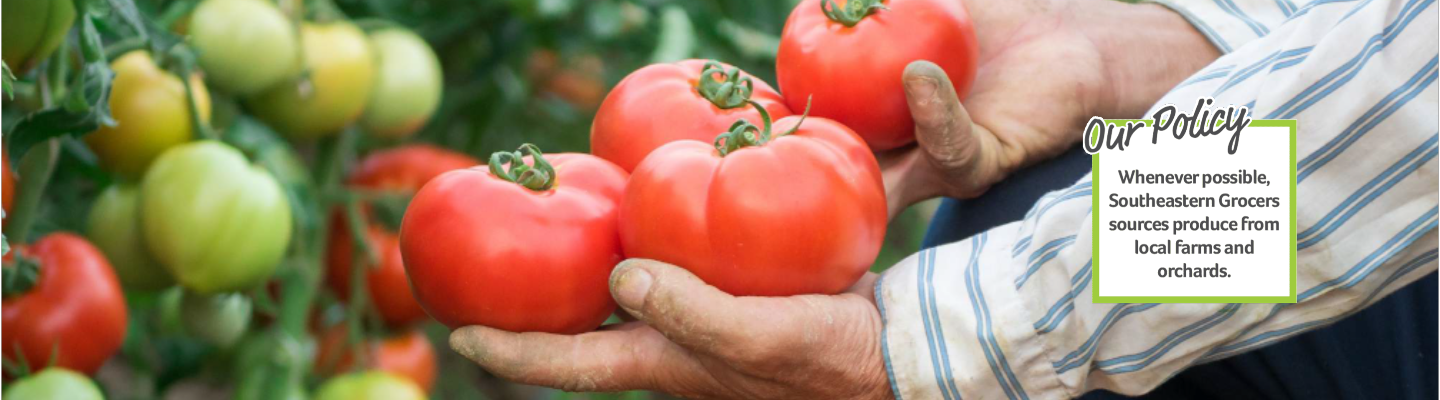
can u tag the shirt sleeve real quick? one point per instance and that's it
(1007, 313)
(1230, 24)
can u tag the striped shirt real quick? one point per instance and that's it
(1007, 314)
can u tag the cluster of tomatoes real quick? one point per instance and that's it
(786, 200)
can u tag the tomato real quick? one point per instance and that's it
(801, 213)
(373, 385)
(408, 355)
(32, 29)
(407, 84)
(342, 72)
(151, 112)
(244, 46)
(8, 179)
(75, 307)
(54, 384)
(216, 319)
(114, 227)
(662, 103)
(852, 63)
(215, 221)
(536, 255)
(404, 169)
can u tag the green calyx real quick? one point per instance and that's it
(21, 277)
(852, 12)
(538, 177)
(732, 91)
(744, 134)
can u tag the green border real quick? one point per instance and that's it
(1095, 233)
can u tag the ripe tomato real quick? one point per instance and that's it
(54, 384)
(373, 385)
(114, 227)
(32, 29)
(661, 103)
(403, 169)
(407, 84)
(408, 355)
(151, 111)
(244, 46)
(801, 213)
(8, 179)
(216, 221)
(533, 255)
(74, 309)
(342, 72)
(850, 59)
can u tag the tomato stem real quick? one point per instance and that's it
(852, 12)
(538, 177)
(731, 92)
(744, 134)
(20, 277)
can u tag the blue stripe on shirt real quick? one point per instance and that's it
(884, 344)
(1382, 183)
(1367, 121)
(1154, 353)
(1229, 7)
(939, 332)
(925, 318)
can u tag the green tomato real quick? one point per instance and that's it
(219, 319)
(217, 222)
(371, 385)
(407, 84)
(244, 46)
(32, 29)
(114, 227)
(342, 71)
(54, 384)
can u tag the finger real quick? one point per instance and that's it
(698, 316)
(865, 287)
(942, 126)
(628, 356)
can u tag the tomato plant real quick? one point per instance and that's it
(151, 112)
(342, 72)
(215, 221)
(799, 213)
(245, 46)
(65, 302)
(407, 84)
(373, 385)
(114, 227)
(661, 103)
(851, 57)
(407, 354)
(54, 384)
(544, 262)
(404, 170)
(32, 29)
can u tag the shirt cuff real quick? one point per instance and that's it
(955, 327)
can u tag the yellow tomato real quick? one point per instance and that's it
(151, 112)
(341, 74)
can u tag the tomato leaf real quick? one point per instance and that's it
(9, 79)
(131, 16)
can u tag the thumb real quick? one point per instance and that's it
(685, 309)
(942, 126)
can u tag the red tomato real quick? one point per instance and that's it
(407, 355)
(8, 178)
(536, 255)
(662, 103)
(403, 169)
(75, 308)
(801, 213)
(853, 69)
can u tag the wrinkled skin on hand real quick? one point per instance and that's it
(696, 341)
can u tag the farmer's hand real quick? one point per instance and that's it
(695, 341)
(1045, 67)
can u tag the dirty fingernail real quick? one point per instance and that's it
(921, 87)
(631, 287)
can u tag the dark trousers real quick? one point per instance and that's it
(1386, 351)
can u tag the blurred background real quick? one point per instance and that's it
(515, 71)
